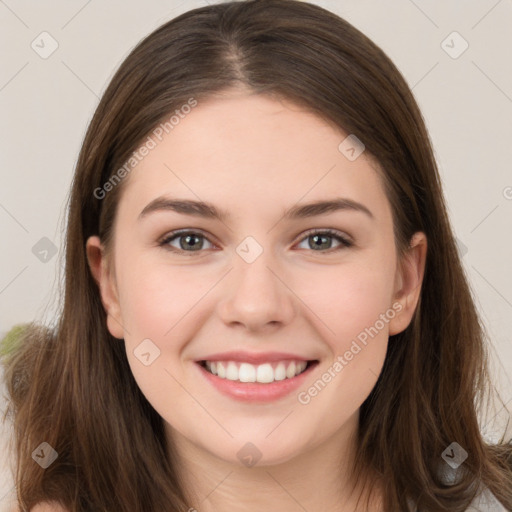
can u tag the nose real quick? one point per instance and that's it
(257, 296)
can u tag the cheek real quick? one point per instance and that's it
(155, 297)
(355, 307)
(348, 299)
(156, 302)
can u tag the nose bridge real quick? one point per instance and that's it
(255, 275)
(256, 296)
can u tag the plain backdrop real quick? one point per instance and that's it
(58, 57)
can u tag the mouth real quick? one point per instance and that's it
(256, 382)
(265, 373)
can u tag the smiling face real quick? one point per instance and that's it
(264, 278)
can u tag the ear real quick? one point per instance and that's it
(102, 274)
(409, 278)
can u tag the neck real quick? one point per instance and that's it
(317, 479)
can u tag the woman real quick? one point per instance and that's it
(212, 353)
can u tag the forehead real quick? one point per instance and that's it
(244, 150)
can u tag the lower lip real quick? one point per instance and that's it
(256, 391)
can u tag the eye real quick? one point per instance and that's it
(320, 240)
(186, 240)
(193, 241)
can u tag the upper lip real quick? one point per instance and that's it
(253, 358)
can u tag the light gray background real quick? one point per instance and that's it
(47, 103)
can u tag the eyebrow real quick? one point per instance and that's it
(209, 211)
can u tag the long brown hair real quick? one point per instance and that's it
(72, 387)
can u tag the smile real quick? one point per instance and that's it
(263, 373)
(256, 383)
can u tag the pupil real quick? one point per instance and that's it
(319, 237)
(190, 240)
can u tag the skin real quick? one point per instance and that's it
(292, 298)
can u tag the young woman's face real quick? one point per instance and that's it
(265, 281)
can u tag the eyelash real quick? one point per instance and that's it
(345, 243)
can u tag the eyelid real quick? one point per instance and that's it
(345, 241)
(164, 241)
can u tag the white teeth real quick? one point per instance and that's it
(246, 373)
(290, 371)
(232, 371)
(263, 373)
(221, 371)
(280, 372)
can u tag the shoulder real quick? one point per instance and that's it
(48, 506)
